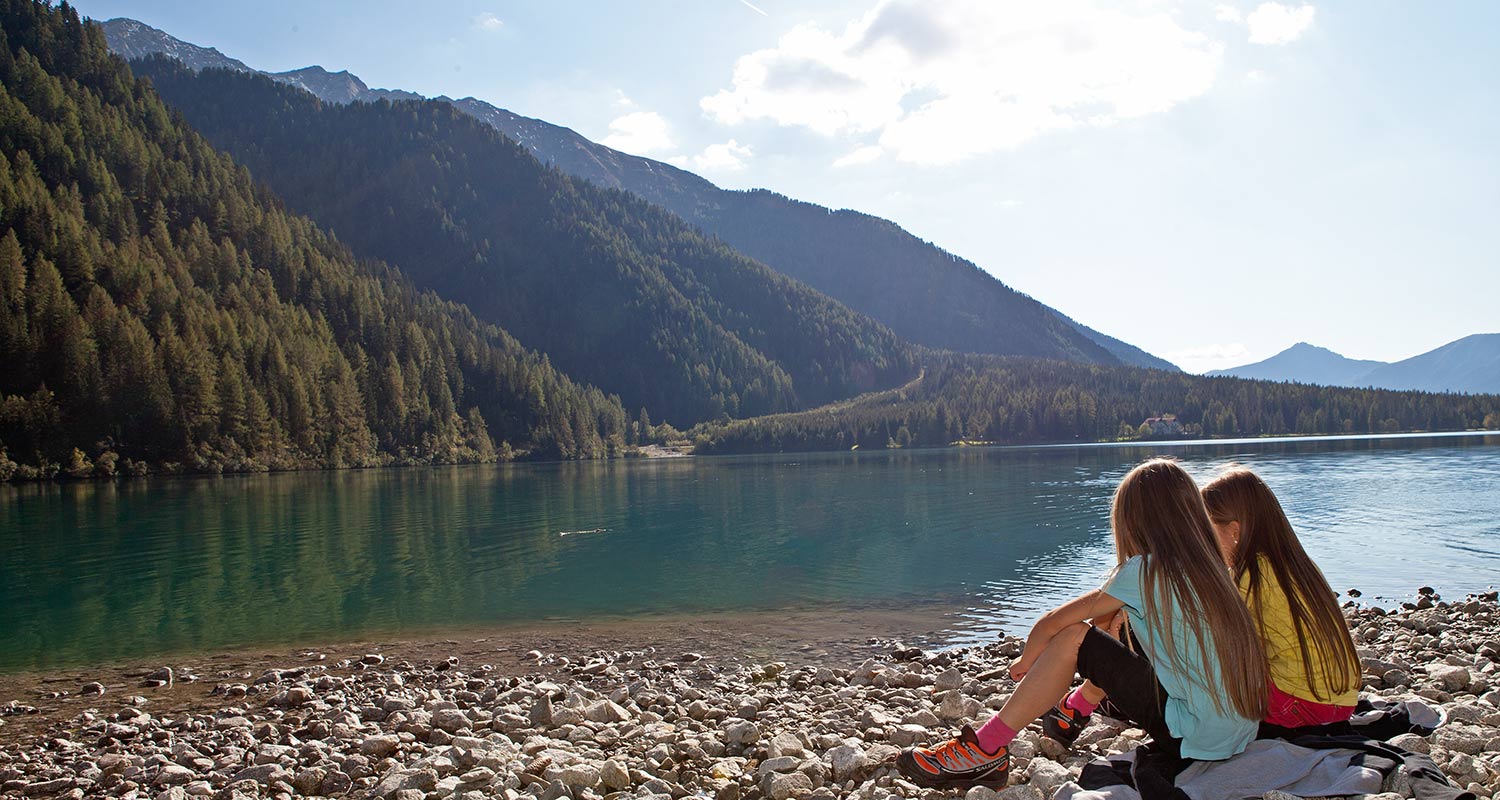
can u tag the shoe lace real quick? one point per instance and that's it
(945, 753)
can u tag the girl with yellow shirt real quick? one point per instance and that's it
(1314, 669)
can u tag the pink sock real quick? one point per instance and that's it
(1079, 703)
(995, 734)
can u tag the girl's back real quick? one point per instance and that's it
(1314, 668)
(1186, 612)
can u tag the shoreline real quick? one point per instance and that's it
(654, 452)
(664, 710)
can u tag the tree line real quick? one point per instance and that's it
(158, 310)
(1014, 400)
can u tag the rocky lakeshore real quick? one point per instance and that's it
(627, 723)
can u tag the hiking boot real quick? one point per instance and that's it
(1062, 723)
(958, 763)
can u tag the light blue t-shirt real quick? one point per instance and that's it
(1206, 733)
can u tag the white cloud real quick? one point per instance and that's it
(863, 155)
(728, 156)
(941, 82)
(1225, 13)
(488, 22)
(1274, 23)
(1209, 357)
(639, 132)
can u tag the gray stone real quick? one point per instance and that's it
(1451, 678)
(263, 774)
(1024, 791)
(925, 718)
(614, 776)
(741, 732)
(981, 793)
(335, 783)
(541, 712)
(848, 762)
(451, 720)
(161, 677)
(51, 787)
(949, 680)
(1412, 742)
(309, 780)
(1047, 775)
(780, 786)
(422, 780)
(1460, 740)
(174, 775)
(908, 735)
(778, 764)
(606, 712)
(785, 744)
(954, 706)
(379, 746)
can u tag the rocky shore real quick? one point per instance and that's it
(638, 723)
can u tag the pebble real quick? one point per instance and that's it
(597, 725)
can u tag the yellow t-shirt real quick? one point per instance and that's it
(1284, 654)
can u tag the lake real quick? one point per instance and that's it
(98, 572)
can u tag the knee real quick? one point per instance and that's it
(1071, 637)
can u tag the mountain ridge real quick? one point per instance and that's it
(1470, 364)
(926, 295)
(619, 293)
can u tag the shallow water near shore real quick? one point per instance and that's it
(984, 539)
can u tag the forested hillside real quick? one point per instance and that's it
(157, 308)
(616, 291)
(1008, 400)
(925, 294)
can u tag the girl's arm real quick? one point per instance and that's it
(1080, 609)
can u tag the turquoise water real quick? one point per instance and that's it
(96, 572)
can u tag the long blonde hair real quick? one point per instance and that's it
(1239, 495)
(1158, 514)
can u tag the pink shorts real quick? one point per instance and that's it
(1294, 712)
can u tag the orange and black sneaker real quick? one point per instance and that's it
(1062, 723)
(959, 763)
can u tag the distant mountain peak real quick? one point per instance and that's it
(133, 39)
(1469, 364)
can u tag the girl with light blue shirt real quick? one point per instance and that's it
(1188, 669)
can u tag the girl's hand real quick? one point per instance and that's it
(1028, 657)
(1110, 623)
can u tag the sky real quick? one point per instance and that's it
(1210, 181)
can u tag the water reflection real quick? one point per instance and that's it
(101, 571)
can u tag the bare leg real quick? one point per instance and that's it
(1047, 680)
(1110, 625)
(1092, 693)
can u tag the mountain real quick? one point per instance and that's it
(1305, 363)
(160, 310)
(616, 291)
(131, 39)
(1470, 364)
(923, 293)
